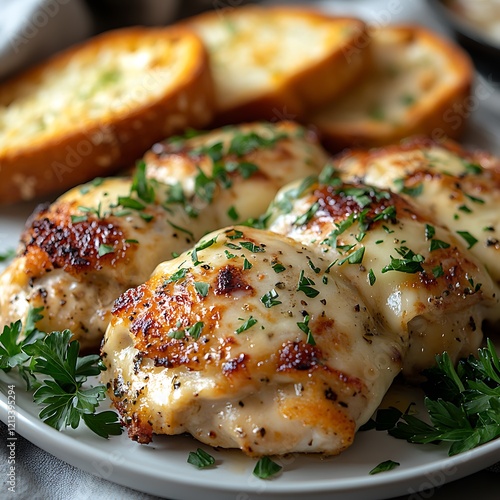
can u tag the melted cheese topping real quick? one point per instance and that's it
(423, 291)
(252, 376)
(62, 266)
(460, 192)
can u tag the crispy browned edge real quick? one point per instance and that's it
(309, 88)
(47, 163)
(433, 123)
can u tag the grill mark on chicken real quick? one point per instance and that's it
(338, 204)
(56, 242)
(230, 280)
(298, 356)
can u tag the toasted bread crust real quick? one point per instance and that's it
(294, 91)
(99, 145)
(436, 112)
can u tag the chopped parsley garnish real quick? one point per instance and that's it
(195, 330)
(471, 241)
(473, 168)
(304, 326)
(234, 234)
(384, 467)
(371, 277)
(200, 459)
(430, 231)
(437, 245)
(141, 185)
(7, 255)
(232, 213)
(78, 218)
(178, 275)
(285, 202)
(410, 262)
(246, 325)
(269, 299)
(266, 468)
(412, 191)
(278, 267)
(307, 216)
(182, 230)
(105, 249)
(465, 209)
(474, 199)
(128, 202)
(438, 271)
(244, 143)
(304, 285)
(177, 333)
(247, 264)
(355, 257)
(329, 175)
(252, 247)
(201, 288)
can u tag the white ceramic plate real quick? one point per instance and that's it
(161, 468)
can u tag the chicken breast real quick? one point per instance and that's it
(460, 190)
(77, 255)
(252, 341)
(417, 277)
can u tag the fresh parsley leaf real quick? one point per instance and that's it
(463, 403)
(269, 299)
(61, 393)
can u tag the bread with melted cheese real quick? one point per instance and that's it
(98, 106)
(419, 84)
(275, 63)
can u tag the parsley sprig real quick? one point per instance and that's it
(463, 404)
(50, 364)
